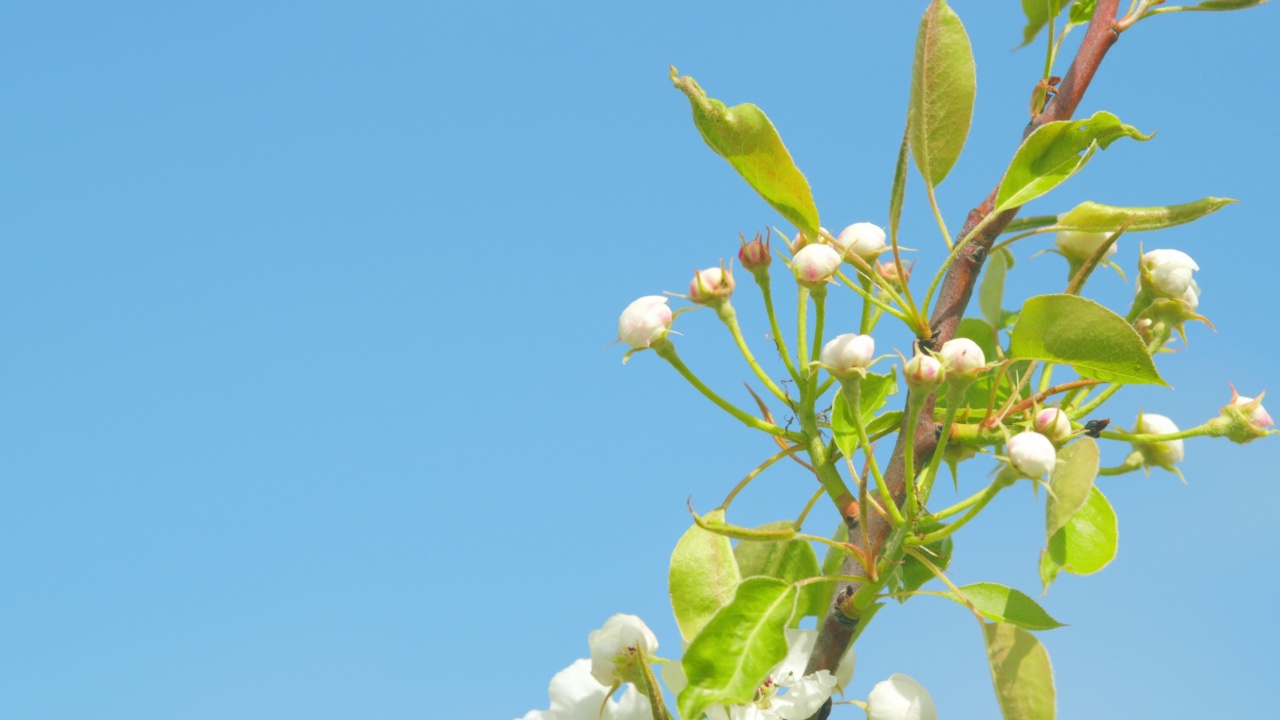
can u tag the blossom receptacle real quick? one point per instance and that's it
(1162, 454)
(900, 698)
(711, 286)
(815, 264)
(1052, 423)
(863, 239)
(962, 358)
(1032, 454)
(645, 322)
(616, 648)
(848, 354)
(923, 373)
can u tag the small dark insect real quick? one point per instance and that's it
(1094, 428)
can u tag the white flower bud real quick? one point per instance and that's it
(900, 698)
(613, 648)
(1192, 296)
(1258, 415)
(1161, 454)
(645, 321)
(1080, 246)
(862, 239)
(1052, 423)
(1168, 272)
(962, 357)
(923, 373)
(1031, 454)
(815, 264)
(848, 352)
(710, 284)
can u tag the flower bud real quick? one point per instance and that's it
(755, 255)
(900, 698)
(614, 648)
(1168, 273)
(923, 373)
(1031, 454)
(710, 285)
(1243, 419)
(1192, 296)
(645, 321)
(1160, 454)
(848, 353)
(889, 271)
(815, 264)
(1080, 246)
(963, 358)
(1052, 423)
(862, 239)
(802, 241)
(1257, 414)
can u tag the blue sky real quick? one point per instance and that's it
(306, 409)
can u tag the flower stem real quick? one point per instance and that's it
(729, 317)
(767, 291)
(667, 351)
(852, 391)
(1001, 482)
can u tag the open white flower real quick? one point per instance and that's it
(900, 698)
(614, 646)
(576, 695)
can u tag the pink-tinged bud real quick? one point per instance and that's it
(1168, 273)
(889, 271)
(848, 354)
(1160, 454)
(1031, 454)
(1243, 419)
(802, 241)
(1257, 414)
(815, 264)
(645, 321)
(962, 357)
(1080, 246)
(923, 373)
(755, 255)
(862, 239)
(710, 285)
(1052, 423)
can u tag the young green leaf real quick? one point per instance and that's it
(743, 135)
(1082, 11)
(899, 190)
(703, 576)
(1055, 152)
(991, 291)
(1001, 604)
(789, 561)
(1079, 332)
(876, 389)
(912, 574)
(886, 423)
(1089, 540)
(727, 661)
(1070, 483)
(1021, 673)
(1094, 217)
(1211, 6)
(943, 85)
(1038, 13)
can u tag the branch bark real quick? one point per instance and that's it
(837, 629)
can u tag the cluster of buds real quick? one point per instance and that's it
(1168, 295)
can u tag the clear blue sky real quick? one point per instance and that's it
(305, 408)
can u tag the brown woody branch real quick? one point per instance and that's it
(837, 628)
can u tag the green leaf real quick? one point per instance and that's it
(991, 291)
(899, 183)
(1001, 604)
(885, 423)
(1021, 673)
(1211, 6)
(943, 85)
(1093, 217)
(876, 389)
(1021, 225)
(1082, 11)
(727, 661)
(1038, 13)
(1070, 483)
(1056, 151)
(702, 578)
(743, 135)
(913, 574)
(1079, 332)
(1089, 540)
(789, 561)
(1048, 569)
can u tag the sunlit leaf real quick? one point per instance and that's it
(1038, 13)
(1079, 332)
(876, 389)
(743, 135)
(991, 291)
(703, 576)
(998, 603)
(1089, 540)
(1021, 673)
(1211, 6)
(789, 560)
(1095, 217)
(943, 85)
(1070, 482)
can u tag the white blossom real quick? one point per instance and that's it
(1169, 272)
(815, 264)
(645, 321)
(614, 645)
(1031, 454)
(848, 352)
(862, 239)
(900, 698)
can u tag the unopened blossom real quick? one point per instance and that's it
(962, 357)
(847, 353)
(615, 648)
(755, 255)
(889, 271)
(815, 264)
(1052, 423)
(1080, 246)
(923, 373)
(862, 239)
(645, 321)
(710, 284)
(1192, 296)
(1258, 415)
(1032, 454)
(1168, 272)
(900, 698)
(1161, 454)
